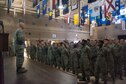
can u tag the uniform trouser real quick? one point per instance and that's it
(124, 64)
(58, 61)
(19, 58)
(74, 67)
(97, 74)
(119, 69)
(85, 74)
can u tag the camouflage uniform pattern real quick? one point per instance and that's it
(19, 45)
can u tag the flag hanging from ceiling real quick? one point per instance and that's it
(57, 11)
(50, 14)
(82, 17)
(52, 4)
(24, 6)
(74, 4)
(65, 4)
(103, 14)
(99, 18)
(57, 3)
(90, 1)
(117, 7)
(95, 11)
(76, 19)
(108, 18)
(9, 5)
(67, 19)
(38, 10)
(35, 2)
(44, 7)
(123, 24)
(98, 21)
(110, 5)
(85, 8)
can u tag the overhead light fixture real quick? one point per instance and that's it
(61, 7)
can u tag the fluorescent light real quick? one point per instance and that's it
(61, 7)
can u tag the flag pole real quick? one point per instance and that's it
(79, 12)
(89, 25)
(8, 8)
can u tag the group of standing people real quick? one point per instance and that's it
(89, 57)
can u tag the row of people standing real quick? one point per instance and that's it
(91, 58)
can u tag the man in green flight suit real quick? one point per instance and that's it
(19, 45)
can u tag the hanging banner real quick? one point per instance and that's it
(50, 14)
(96, 3)
(98, 21)
(110, 5)
(67, 19)
(74, 4)
(24, 6)
(38, 10)
(123, 24)
(117, 7)
(35, 2)
(44, 7)
(103, 14)
(82, 17)
(65, 4)
(85, 8)
(95, 11)
(123, 11)
(57, 11)
(52, 4)
(76, 19)
(9, 5)
(90, 1)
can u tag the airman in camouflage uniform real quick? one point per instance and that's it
(85, 61)
(74, 59)
(64, 57)
(28, 51)
(33, 52)
(49, 55)
(93, 48)
(54, 54)
(101, 63)
(19, 45)
(118, 59)
(124, 56)
(38, 52)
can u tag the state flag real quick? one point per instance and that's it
(76, 19)
(35, 2)
(65, 4)
(38, 10)
(44, 7)
(95, 11)
(117, 7)
(110, 5)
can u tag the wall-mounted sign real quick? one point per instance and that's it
(54, 36)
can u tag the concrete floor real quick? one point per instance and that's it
(37, 74)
